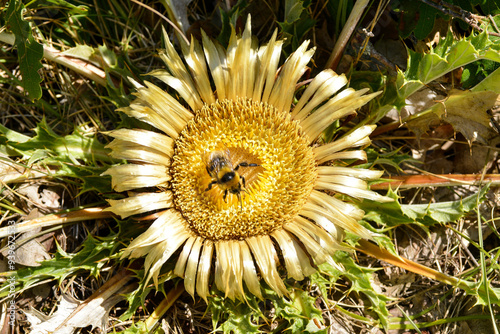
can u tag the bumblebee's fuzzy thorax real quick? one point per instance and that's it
(229, 180)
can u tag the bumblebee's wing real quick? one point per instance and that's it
(205, 157)
(209, 156)
(215, 160)
(227, 158)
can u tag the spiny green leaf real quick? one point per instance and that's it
(445, 57)
(29, 51)
(386, 214)
(361, 278)
(64, 153)
(297, 312)
(392, 158)
(300, 312)
(443, 212)
(325, 278)
(13, 136)
(137, 297)
(394, 214)
(424, 68)
(236, 316)
(486, 295)
(8, 136)
(46, 143)
(64, 264)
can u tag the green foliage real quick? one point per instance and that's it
(339, 12)
(62, 265)
(474, 73)
(293, 10)
(300, 312)
(360, 279)
(136, 298)
(74, 154)
(483, 291)
(418, 18)
(448, 55)
(296, 23)
(29, 52)
(71, 148)
(382, 159)
(424, 68)
(296, 313)
(136, 328)
(375, 81)
(235, 316)
(117, 68)
(443, 212)
(229, 20)
(65, 6)
(425, 215)
(361, 284)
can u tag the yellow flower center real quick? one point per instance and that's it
(251, 132)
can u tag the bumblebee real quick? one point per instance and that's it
(220, 169)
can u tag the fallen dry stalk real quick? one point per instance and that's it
(436, 180)
(80, 66)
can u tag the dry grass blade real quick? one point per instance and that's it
(436, 180)
(383, 255)
(58, 219)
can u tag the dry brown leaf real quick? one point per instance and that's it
(43, 324)
(31, 252)
(72, 314)
(466, 111)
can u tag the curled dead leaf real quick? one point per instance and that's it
(466, 111)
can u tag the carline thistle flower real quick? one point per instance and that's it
(239, 102)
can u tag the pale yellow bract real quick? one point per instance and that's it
(238, 100)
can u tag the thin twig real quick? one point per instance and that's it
(459, 13)
(165, 18)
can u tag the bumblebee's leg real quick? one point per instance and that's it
(243, 181)
(225, 195)
(246, 164)
(210, 185)
(239, 199)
